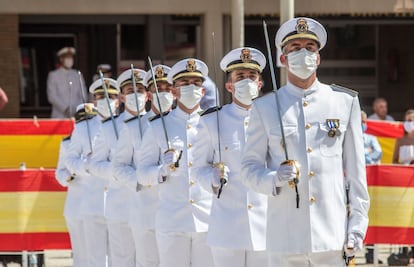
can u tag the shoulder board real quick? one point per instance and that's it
(338, 88)
(210, 110)
(66, 138)
(153, 118)
(130, 119)
(108, 119)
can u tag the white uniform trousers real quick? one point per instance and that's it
(227, 257)
(183, 249)
(146, 249)
(77, 241)
(317, 259)
(121, 244)
(96, 235)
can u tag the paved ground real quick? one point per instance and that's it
(63, 258)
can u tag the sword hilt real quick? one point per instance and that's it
(223, 181)
(173, 166)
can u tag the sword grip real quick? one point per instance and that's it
(177, 163)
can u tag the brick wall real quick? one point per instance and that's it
(9, 64)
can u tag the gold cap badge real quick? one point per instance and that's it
(107, 84)
(245, 55)
(191, 65)
(302, 26)
(159, 72)
(136, 75)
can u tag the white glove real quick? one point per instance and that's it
(169, 158)
(285, 173)
(87, 162)
(221, 171)
(353, 244)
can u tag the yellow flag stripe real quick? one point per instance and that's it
(32, 212)
(387, 146)
(35, 150)
(391, 206)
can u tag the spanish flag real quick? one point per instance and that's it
(31, 211)
(34, 142)
(387, 133)
(31, 201)
(391, 215)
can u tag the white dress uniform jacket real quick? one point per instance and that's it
(183, 204)
(144, 198)
(320, 223)
(238, 218)
(76, 163)
(62, 174)
(116, 202)
(62, 96)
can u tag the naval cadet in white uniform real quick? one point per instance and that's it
(93, 204)
(64, 91)
(324, 145)
(184, 206)
(80, 148)
(237, 228)
(74, 192)
(143, 198)
(117, 208)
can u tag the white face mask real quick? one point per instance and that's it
(103, 109)
(409, 126)
(68, 62)
(302, 63)
(166, 100)
(246, 90)
(131, 104)
(190, 95)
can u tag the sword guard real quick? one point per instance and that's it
(173, 166)
(297, 167)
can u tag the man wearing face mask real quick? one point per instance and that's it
(75, 178)
(322, 133)
(237, 228)
(184, 206)
(143, 197)
(117, 208)
(92, 164)
(88, 208)
(63, 87)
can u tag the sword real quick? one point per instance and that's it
(219, 164)
(295, 181)
(348, 259)
(134, 84)
(70, 99)
(169, 148)
(84, 102)
(109, 104)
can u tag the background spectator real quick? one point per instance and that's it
(404, 147)
(63, 87)
(373, 151)
(380, 108)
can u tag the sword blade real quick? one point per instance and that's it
(134, 84)
(159, 104)
(109, 104)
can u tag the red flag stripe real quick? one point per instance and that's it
(29, 181)
(34, 241)
(385, 128)
(36, 127)
(389, 235)
(390, 175)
